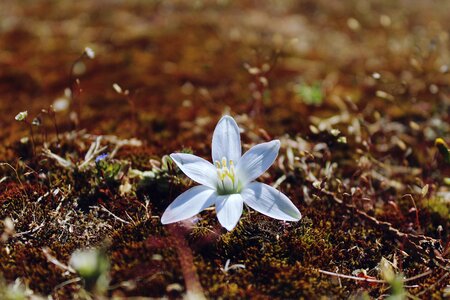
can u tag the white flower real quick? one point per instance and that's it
(229, 183)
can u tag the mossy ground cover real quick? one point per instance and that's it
(357, 92)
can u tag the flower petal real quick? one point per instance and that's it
(269, 201)
(256, 161)
(189, 204)
(226, 141)
(229, 210)
(196, 168)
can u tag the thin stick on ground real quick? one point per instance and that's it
(370, 280)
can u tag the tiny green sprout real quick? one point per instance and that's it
(108, 170)
(21, 116)
(186, 151)
(311, 94)
(92, 265)
(88, 263)
(342, 140)
(395, 280)
(166, 161)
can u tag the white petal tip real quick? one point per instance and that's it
(229, 210)
(230, 119)
(276, 143)
(230, 228)
(165, 220)
(294, 216)
(296, 219)
(226, 117)
(297, 215)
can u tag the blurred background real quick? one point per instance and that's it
(181, 61)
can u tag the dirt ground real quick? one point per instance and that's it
(357, 91)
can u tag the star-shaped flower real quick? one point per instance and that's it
(229, 183)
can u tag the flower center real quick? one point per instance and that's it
(228, 182)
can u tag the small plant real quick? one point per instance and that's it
(229, 184)
(94, 151)
(78, 68)
(311, 94)
(22, 117)
(108, 171)
(395, 281)
(92, 266)
(131, 101)
(58, 105)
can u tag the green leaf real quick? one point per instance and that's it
(311, 94)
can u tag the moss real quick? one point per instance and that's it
(281, 259)
(439, 206)
(147, 269)
(30, 264)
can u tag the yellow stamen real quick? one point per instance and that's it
(224, 162)
(227, 178)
